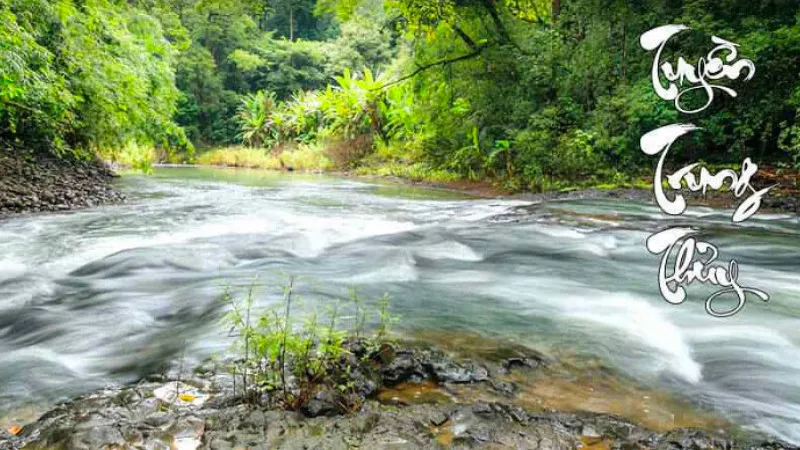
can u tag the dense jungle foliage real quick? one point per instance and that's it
(534, 94)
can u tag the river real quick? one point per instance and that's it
(108, 294)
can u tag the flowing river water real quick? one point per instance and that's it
(108, 294)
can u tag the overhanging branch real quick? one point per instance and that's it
(478, 50)
(490, 7)
(465, 37)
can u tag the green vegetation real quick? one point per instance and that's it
(300, 157)
(291, 360)
(81, 77)
(533, 94)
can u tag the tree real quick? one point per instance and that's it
(80, 79)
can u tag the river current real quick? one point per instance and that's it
(105, 295)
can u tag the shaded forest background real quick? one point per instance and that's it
(534, 94)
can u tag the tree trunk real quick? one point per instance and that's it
(624, 49)
(291, 23)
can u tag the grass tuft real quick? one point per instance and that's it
(300, 157)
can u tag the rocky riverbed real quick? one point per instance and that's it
(43, 183)
(414, 404)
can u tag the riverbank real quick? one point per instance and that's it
(51, 184)
(316, 158)
(785, 198)
(422, 398)
(31, 183)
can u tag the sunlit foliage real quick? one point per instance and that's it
(84, 77)
(534, 94)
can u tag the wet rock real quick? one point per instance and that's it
(687, 439)
(187, 433)
(449, 371)
(375, 426)
(225, 400)
(589, 431)
(43, 183)
(438, 418)
(481, 436)
(132, 417)
(146, 407)
(157, 419)
(96, 437)
(403, 367)
(366, 387)
(505, 388)
(483, 409)
(522, 363)
(257, 419)
(357, 347)
(7, 440)
(507, 412)
(418, 366)
(323, 404)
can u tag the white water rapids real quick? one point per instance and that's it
(108, 294)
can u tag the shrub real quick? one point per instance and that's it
(260, 119)
(311, 156)
(76, 77)
(239, 157)
(291, 359)
(346, 153)
(416, 171)
(294, 157)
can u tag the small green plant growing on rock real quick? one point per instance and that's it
(387, 319)
(320, 364)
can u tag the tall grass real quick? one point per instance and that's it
(239, 157)
(313, 352)
(414, 172)
(300, 157)
(133, 156)
(306, 157)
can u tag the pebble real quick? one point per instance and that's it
(47, 184)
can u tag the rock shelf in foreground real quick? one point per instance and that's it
(201, 411)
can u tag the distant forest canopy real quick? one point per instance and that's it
(524, 91)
